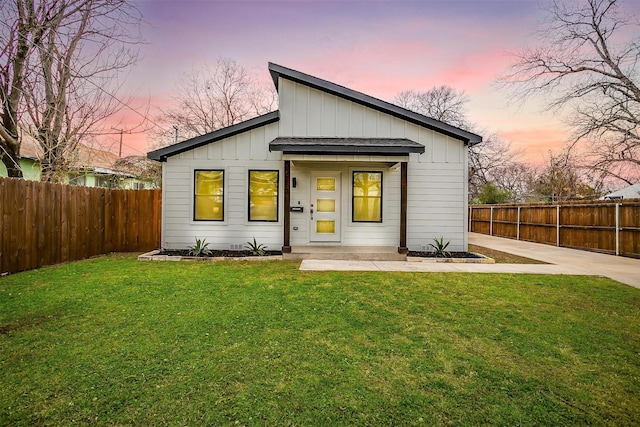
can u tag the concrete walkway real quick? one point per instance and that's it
(561, 261)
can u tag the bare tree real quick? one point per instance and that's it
(561, 179)
(448, 105)
(23, 27)
(488, 161)
(444, 103)
(517, 178)
(587, 63)
(67, 75)
(214, 97)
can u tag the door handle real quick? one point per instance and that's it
(311, 210)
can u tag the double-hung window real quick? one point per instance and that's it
(208, 195)
(263, 195)
(367, 197)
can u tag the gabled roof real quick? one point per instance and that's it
(378, 146)
(162, 154)
(371, 102)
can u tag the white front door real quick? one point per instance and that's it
(325, 207)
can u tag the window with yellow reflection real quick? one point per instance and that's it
(367, 197)
(263, 195)
(208, 195)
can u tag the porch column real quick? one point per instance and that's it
(402, 249)
(287, 204)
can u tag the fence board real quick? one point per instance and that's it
(44, 249)
(108, 224)
(17, 223)
(29, 246)
(55, 225)
(3, 203)
(74, 225)
(582, 225)
(64, 226)
(122, 216)
(43, 224)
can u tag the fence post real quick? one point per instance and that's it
(617, 228)
(518, 225)
(470, 216)
(557, 225)
(491, 221)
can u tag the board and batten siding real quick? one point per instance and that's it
(437, 189)
(236, 156)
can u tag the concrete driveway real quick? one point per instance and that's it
(561, 261)
(622, 269)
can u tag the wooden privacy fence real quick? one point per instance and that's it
(604, 226)
(43, 224)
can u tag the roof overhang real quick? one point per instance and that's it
(350, 146)
(162, 154)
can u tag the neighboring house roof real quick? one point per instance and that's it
(162, 154)
(29, 147)
(98, 161)
(371, 102)
(630, 192)
(84, 158)
(380, 146)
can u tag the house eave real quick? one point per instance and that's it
(346, 146)
(162, 154)
(321, 152)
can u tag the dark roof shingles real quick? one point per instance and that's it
(379, 146)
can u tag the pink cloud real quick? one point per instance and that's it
(536, 142)
(473, 71)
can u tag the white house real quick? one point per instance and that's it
(332, 168)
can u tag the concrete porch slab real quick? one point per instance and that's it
(344, 253)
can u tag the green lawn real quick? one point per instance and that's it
(115, 341)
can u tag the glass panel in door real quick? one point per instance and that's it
(325, 207)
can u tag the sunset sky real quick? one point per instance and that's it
(376, 47)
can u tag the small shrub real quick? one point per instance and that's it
(255, 248)
(440, 248)
(200, 249)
